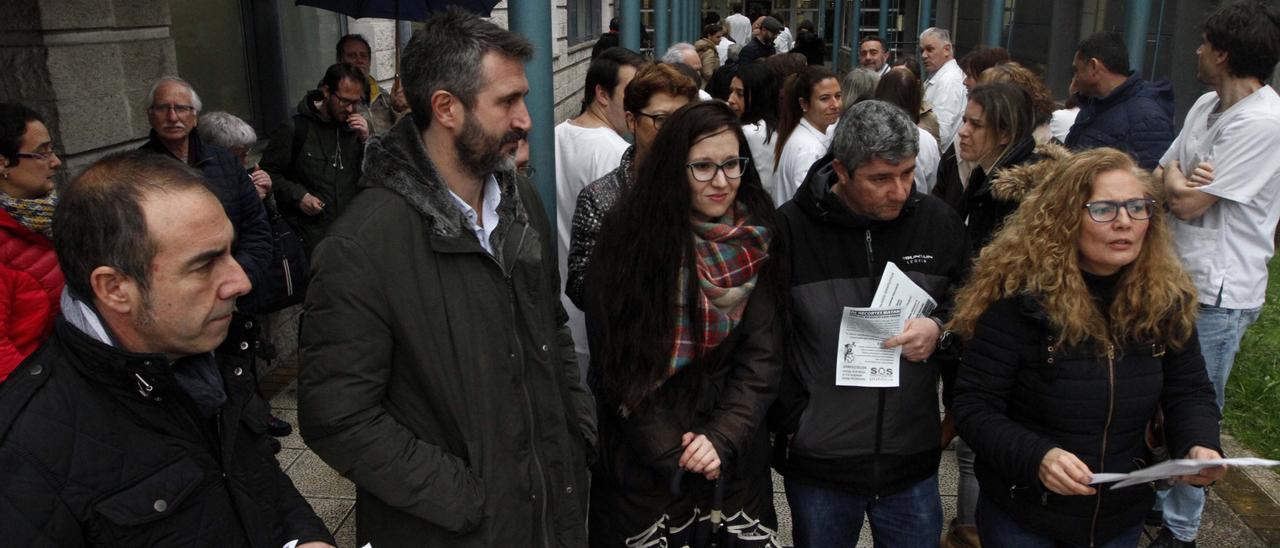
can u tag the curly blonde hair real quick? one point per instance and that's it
(1036, 253)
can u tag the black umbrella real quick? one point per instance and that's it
(401, 10)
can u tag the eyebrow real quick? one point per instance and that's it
(205, 256)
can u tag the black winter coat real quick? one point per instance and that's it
(101, 447)
(1020, 393)
(868, 441)
(253, 246)
(755, 50)
(1136, 117)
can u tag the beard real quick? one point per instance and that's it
(481, 153)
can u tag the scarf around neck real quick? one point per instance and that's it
(36, 214)
(728, 255)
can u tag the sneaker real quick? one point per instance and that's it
(278, 428)
(1166, 540)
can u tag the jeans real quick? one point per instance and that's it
(824, 518)
(1220, 330)
(967, 487)
(998, 530)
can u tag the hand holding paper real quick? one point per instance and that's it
(1176, 468)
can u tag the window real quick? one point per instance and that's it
(584, 20)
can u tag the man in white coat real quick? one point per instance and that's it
(945, 87)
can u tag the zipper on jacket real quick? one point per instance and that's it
(875, 459)
(528, 398)
(1102, 457)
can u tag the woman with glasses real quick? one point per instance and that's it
(30, 279)
(1079, 328)
(680, 305)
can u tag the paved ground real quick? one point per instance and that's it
(1234, 506)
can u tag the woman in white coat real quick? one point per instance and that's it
(811, 105)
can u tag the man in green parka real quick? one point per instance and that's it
(437, 372)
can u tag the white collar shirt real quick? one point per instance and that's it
(946, 92)
(489, 206)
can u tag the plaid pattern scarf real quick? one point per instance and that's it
(729, 253)
(36, 213)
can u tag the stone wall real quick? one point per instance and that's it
(86, 66)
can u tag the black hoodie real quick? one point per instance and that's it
(869, 441)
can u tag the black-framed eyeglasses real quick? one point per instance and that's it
(657, 119)
(177, 109)
(1105, 211)
(705, 170)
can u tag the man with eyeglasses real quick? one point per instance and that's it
(870, 449)
(657, 91)
(377, 107)
(314, 157)
(1222, 178)
(173, 111)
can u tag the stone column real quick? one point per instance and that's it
(86, 66)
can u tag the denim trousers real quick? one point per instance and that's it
(1220, 330)
(999, 530)
(823, 518)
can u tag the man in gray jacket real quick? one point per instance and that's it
(437, 372)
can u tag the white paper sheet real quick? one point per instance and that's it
(860, 361)
(896, 290)
(1176, 467)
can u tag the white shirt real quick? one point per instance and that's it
(784, 42)
(945, 90)
(704, 96)
(722, 49)
(1061, 122)
(490, 197)
(582, 156)
(927, 161)
(761, 152)
(1227, 249)
(739, 29)
(805, 146)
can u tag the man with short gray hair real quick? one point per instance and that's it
(945, 87)
(855, 451)
(436, 369)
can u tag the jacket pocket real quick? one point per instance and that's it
(156, 496)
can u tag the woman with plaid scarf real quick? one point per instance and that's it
(30, 280)
(680, 306)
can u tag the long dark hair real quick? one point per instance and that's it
(759, 96)
(644, 241)
(795, 88)
(901, 87)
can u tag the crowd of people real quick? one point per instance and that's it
(632, 373)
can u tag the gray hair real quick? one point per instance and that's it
(943, 35)
(859, 85)
(675, 53)
(874, 129)
(445, 55)
(226, 130)
(195, 97)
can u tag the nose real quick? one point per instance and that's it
(54, 161)
(235, 283)
(171, 114)
(521, 119)
(1122, 220)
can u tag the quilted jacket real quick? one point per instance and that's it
(30, 286)
(1136, 117)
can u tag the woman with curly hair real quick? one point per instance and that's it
(1079, 328)
(680, 307)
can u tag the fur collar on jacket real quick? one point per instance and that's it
(398, 161)
(1013, 183)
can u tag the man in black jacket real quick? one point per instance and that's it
(122, 430)
(174, 111)
(850, 451)
(765, 31)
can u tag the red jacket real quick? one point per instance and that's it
(30, 289)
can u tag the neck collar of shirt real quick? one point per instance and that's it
(489, 199)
